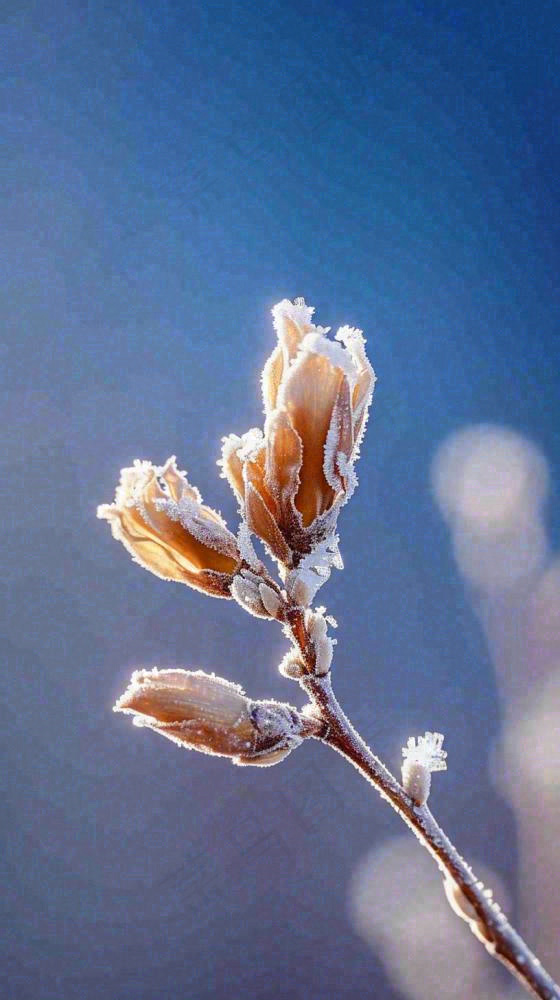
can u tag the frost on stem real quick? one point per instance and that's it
(421, 757)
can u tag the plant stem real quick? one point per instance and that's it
(483, 915)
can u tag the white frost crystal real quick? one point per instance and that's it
(421, 757)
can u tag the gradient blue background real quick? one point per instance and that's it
(173, 171)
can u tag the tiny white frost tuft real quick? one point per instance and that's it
(421, 758)
(298, 311)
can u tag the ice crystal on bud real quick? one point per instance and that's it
(421, 758)
(427, 750)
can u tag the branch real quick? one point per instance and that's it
(466, 893)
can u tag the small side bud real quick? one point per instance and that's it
(292, 665)
(421, 757)
(316, 625)
(464, 909)
(303, 583)
(256, 596)
(323, 656)
(200, 711)
(272, 600)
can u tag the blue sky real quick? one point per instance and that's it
(173, 171)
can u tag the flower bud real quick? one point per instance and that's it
(291, 665)
(293, 479)
(161, 520)
(421, 757)
(256, 596)
(203, 712)
(316, 625)
(465, 910)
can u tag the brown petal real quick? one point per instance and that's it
(361, 398)
(339, 438)
(284, 455)
(176, 482)
(272, 377)
(309, 395)
(292, 321)
(262, 523)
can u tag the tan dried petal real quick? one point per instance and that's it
(283, 459)
(263, 524)
(308, 396)
(340, 439)
(272, 378)
(292, 321)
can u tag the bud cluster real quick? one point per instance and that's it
(291, 479)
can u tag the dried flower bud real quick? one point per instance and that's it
(421, 757)
(293, 479)
(203, 712)
(160, 518)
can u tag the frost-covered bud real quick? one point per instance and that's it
(316, 625)
(293, 479)
(161, 520)
(292, 665)
(323, 655)
(421, 757)
(256, 596)
(465, 910)
(200, 711)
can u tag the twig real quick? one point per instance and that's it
(485, 918)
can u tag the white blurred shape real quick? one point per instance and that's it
(493, 562)
(489, 477)
(491, 484)
(543, 626)
(398, 906)
(530, 757)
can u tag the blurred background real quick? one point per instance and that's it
(173, 171)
